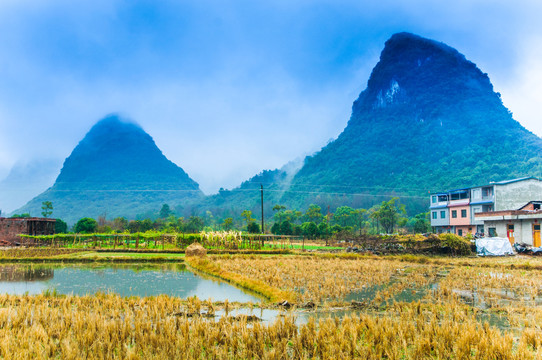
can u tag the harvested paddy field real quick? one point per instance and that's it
(338, 306)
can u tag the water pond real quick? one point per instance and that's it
(125, 280)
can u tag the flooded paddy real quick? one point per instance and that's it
(125, 280)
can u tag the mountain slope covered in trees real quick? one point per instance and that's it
(428, 120)
(116, 170)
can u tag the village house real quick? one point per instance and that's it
(10, 228)
(454, 211)
(520, 226)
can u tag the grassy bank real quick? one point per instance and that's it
(270, 292)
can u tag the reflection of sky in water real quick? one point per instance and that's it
(125, 281)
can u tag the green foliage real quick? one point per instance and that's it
(389, 214)
(165, 211)
(253, 228)
(86, 225)
(23, 215)
(310, 229)
(227, 224)
(60, 227)
(46, 209)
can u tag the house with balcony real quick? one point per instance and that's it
(460, 206)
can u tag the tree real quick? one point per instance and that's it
(421, 223)
(390, 214)
(253, 228)
(324, 230)
(227, 224)
(247, 215)
(23, 215)
(194, 225)
(345, 216)
(314, 214)
(86, 226)
(165, 211)
(46, 208)
(275, 229)
(286, 228)
(119, 224)
(60, 227)
(310, 229)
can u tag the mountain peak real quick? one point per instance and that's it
(116, 169)
(412, 66)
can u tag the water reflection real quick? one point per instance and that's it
(125, 280)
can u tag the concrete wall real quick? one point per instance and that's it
(515, 195)
(523, 229)
(439, 221)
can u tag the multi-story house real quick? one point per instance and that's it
(454, 210)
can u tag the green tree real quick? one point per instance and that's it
(86, 225)
(324, 230)
(310, 229)
(421, 223)
(286, 228)
(23, 215)
(60, 227)
(247, 215)
(275, 229)
(119, 224)
(165, 211)
(227, 224)
(314, 214)
(345, 216)
(194, 225)
(253, 228)
(391, 214)
(46, 209)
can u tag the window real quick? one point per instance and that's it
(464, 213)
(476, 193)
(433, 199)
(443, 214)
(454, 214)
(492, 232)
(442, 198)
(459, 195)
(434, 215)
(460, 232)
(536, 206)
(487, 192)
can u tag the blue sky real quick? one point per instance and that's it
(228, 89)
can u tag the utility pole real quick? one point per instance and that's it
(263, 224)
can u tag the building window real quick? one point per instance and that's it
(442, 198)
(433, 199)
(460, 232)
(464, 213)
(454, 214)
(434, 215)
(492, 232)
(536, 206)
(443, 214)
(487, 192)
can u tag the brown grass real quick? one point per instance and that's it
(108, 326)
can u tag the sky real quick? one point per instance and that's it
(230, 88)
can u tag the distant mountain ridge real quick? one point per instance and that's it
(116, 170)
(428, 120)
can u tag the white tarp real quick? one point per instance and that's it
(494, 246)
